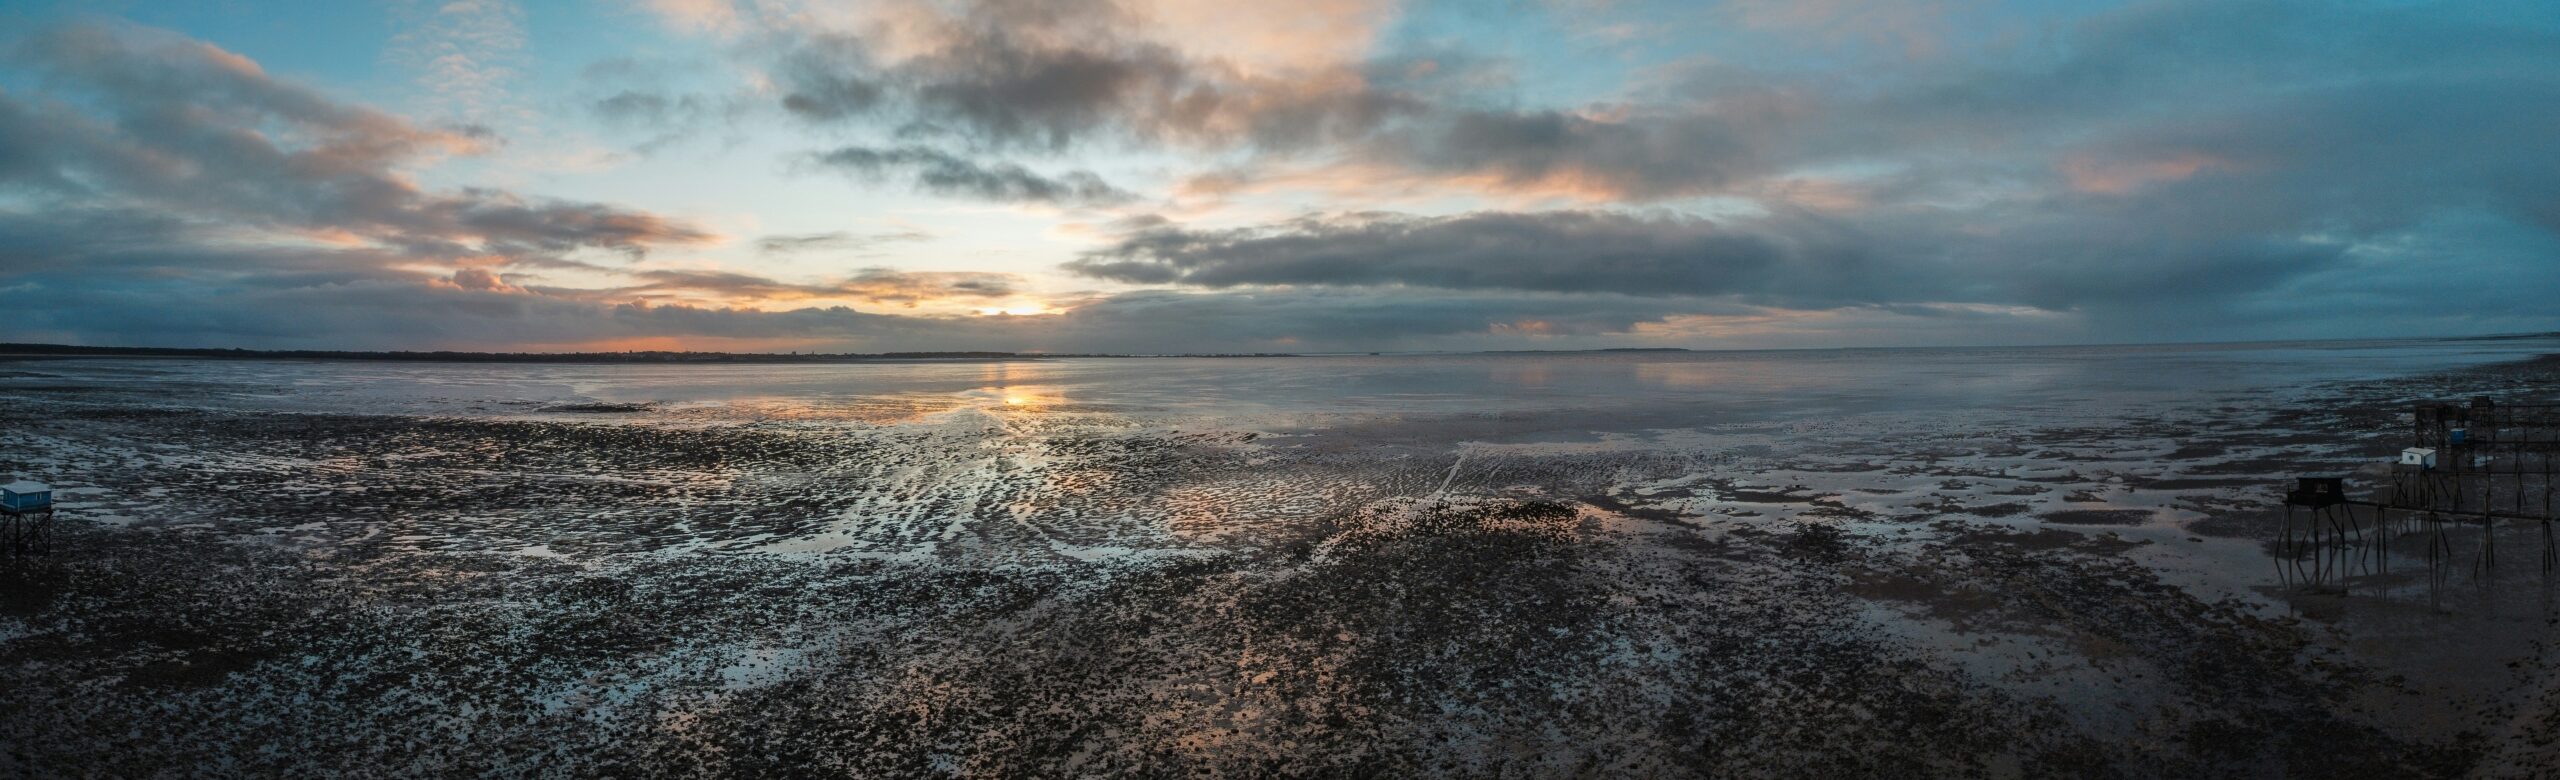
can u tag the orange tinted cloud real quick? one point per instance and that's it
(1388, 183)
(1268, 37)
(2116, 177)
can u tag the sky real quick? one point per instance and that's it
(1150, 176)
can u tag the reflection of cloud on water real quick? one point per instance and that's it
(1683, 376)
(1533, 375)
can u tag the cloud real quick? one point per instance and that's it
(1271, 37)
(989, 76)
(942, 173)
(876, 285)
(1054, 79)
(1574, 251)
(666, 100)
(480, 279)
(153, 119)
(1290, 320)
(132, 278)
(1615, 158)
(468, 54)
(2052, 259)
(154, 281)
(169, 290)
(675, 113)
(1320, 102)
(2170, 168)
(836, 240)
(1049, 77)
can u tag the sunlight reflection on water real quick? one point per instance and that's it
(1701, 385)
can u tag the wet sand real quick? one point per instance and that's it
(1017, 585)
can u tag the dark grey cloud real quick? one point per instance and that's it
(2160, 169)
(168, 288)
(2170, 169)
(831, 77)
(94, 269)
(1009, 77)
(161, 282)
(1058, 77)
(1574, 251)
(1805, 262)
(632, 107)
(1639, 158)
(836, 241)
(147, 118)
(1289, 320)
(663, 102)
(943, 173)
(1050, 76)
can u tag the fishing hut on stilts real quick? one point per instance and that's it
(2479, 465)
(26, 517)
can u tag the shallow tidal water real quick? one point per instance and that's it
(2002, 562)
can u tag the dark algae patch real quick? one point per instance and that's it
(600, 408)
(2097, 517)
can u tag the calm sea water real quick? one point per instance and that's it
(1606, 390)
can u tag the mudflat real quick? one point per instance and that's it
(1996, 564)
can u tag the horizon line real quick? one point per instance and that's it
(44, 350)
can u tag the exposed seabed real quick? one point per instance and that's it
(1012, 585)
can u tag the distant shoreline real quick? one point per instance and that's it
(13, 351)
